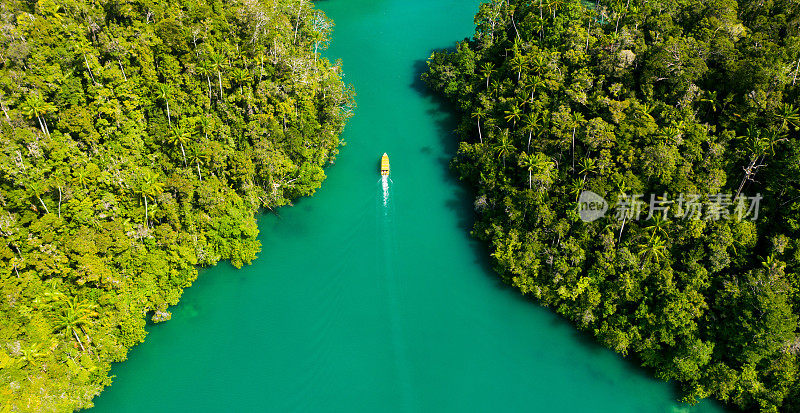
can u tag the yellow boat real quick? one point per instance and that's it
(385, 165)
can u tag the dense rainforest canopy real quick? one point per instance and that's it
(691, 104)
(138, 139)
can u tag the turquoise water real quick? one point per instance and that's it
(367, 298)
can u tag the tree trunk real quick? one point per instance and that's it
(123, 70)
(42, 202)
(86, 61)
(219, 78)
(5, 110)
(480, 135)
(183, 153)
(297, 24)
(515, 26)
(530, 136)
(748, 173)
(146, 214)
(88, 339)
(169, 118)
(198, 170)
(573, 149)
(588, 27)
(77, 338)
(41, 125)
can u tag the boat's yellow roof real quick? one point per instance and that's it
(385, 164)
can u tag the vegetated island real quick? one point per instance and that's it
(137, 141)
(693, 102)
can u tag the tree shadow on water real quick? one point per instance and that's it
(445, 117)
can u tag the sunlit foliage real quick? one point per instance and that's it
(138, 139)
(643, 97)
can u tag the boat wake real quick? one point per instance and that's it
(394, 289)
(385, 185)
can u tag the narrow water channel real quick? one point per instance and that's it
(372, 296)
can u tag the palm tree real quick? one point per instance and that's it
(576, 119)
(671, 133)
(36, 189)
(487, 69)
(164, 92)
(711, 100)
(531, 123)
(554, 5)
(85, 49)
(587, 165)
(658, 226)
(520, 63)
(575, 188)
(643, 112)
(755, 145)
(478, 114)
(58, 181)
(528, 162)
(179, 136)
(80, 177)
(788, 115)
(538, 63)
(539, 163)
(204, 68)
(655, 248)
(619, 184)
(537, 82)
(206, 124)
(504, 148)
(497, 87)
(73, 315)
(217, 61)
(538, 25)
(149, 188)
(36, 106)
(773, 138)
(513, 115)
(32, 353)
(772, 264)
(622, 188)
(241, 76)
(198, 157)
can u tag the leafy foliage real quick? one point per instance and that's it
(667, 97)
(137, 140)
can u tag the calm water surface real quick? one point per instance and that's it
(373, 298)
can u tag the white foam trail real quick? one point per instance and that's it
(385, 183)
(394, 291)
